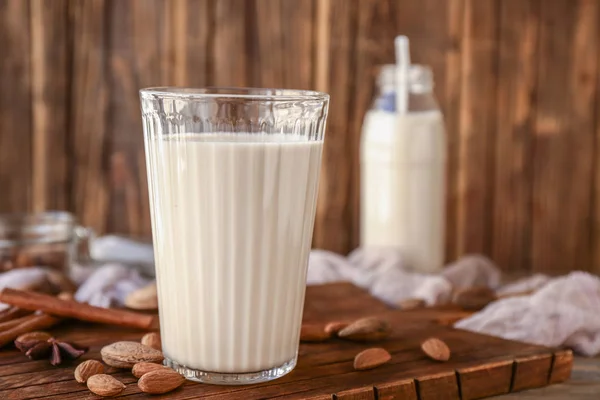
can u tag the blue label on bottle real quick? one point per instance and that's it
(386, 102)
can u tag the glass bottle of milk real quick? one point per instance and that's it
(403, 171)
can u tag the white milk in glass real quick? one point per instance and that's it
(233, 217)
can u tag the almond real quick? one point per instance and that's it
(152, 339)
(366, 329)
(67, 296)
(142, 368)
(411, 304)
(28, 340)
(105, 385)
(371, 358)
(313, 333)
(474, 298)
(145, 298)
(36, 336)
(436, 349)
(87, 369)
(160, 381)
(334, 327)
(127, 354)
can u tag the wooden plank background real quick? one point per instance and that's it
(517, 80)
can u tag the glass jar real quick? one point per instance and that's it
(50, 239)
(403, 171)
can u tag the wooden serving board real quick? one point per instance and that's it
(480, 365)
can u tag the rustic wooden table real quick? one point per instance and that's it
(583, 385)
(480, 366)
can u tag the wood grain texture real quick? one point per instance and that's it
(532, 372)
(137, 58)
(230, 44)
(50, 104)
(337, 19)
(430, 39)
(15, 107)
(584, 384)
(298, 50)
(89, 112)
(433, 386)
(516, 80)
(498, 375)
(280, 56)
(595, 221)
(185, 35)
(405, 390)
(322, 42)
(376, 23)
(477, 126)
(437, 41)
(366, 393)
(193, 28)
(324, 370)
(562, 365)
(450, 104)
(564, 136)
(517, 77)
(268, 48)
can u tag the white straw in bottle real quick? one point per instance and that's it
(401, 45)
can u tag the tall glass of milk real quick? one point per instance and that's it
(232, 176)
(403, 155)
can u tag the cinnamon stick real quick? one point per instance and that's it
(12, 313)
(38, 322)
(81, 311)
(14, 322)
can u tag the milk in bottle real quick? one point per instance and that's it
(403, 171)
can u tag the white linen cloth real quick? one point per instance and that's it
(23, 278)
(382, 272)
(107, 286)
(563, 311)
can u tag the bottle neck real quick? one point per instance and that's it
(420, 89)
(420, 79)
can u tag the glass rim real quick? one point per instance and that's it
(15, 222)
(225, 92)
(51, 216)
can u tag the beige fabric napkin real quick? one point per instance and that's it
(384, 274)
(565, 311)
(562, 311)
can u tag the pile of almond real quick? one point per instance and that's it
(153, 378)
(369, 329)
(142, 358)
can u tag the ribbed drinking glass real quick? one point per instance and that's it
(233, 177)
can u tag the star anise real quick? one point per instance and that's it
(38, 345)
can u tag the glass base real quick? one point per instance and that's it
(245, 378)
